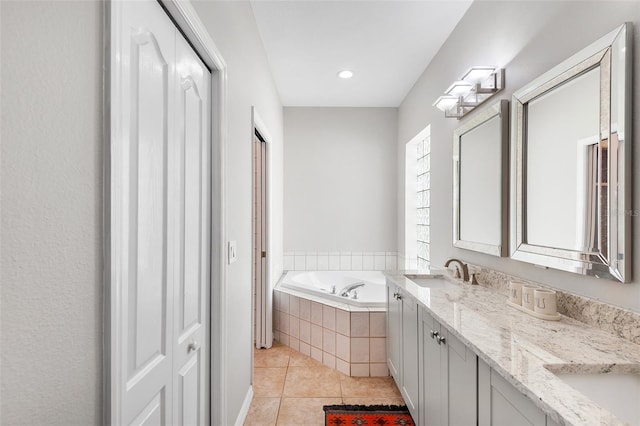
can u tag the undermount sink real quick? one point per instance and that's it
(615, 388)
(429, 281)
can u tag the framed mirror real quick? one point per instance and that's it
(481, 182)
(571, 136)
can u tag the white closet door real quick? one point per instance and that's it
(159, 221)
(192, 190)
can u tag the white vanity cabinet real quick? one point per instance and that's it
(501, 404)
(448, 373)
(402, 345)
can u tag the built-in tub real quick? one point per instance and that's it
(346, 334)
(329, 285)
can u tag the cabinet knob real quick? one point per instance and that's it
(192, 347)
(433, 334)
(397, 296)
(441, 340)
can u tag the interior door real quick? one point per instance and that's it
(191, 251)
(260, 240)
(159, 221)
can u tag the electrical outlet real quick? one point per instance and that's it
(232, 255)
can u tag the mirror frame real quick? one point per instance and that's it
(612, 258)
(501, 110)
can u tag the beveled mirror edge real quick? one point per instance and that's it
(500, 109)
(618, 269)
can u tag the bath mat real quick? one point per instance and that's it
(367, 415)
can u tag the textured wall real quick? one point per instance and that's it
(340, 179)
(233, 29)
(527, 38)
(51, 195)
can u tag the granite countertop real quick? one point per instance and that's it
(523, 349)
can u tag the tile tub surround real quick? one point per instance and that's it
(520, 347)
(340, 261)
(349, 339)
(618, 321)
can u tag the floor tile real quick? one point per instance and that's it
(369, 387)
(313, 381)
(304, 411)
(372, 401)
(276, 356)
(263, 411)
(296, 359)
(268, 382)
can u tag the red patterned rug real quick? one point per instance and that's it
(367, 415)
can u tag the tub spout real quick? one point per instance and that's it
(345, 292)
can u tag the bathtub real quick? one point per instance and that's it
(345, 334)
(329, 284)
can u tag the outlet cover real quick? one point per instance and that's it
(232, 251)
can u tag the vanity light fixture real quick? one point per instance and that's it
(476, 86)
(345, 74)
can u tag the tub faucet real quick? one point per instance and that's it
(465, 270)
(348, 289)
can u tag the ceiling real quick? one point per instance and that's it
(386, 43)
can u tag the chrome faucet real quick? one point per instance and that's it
(345, 292)
(465, 270)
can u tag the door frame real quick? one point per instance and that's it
(188, 22)
(257, 124)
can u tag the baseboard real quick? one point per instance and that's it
(244, 410)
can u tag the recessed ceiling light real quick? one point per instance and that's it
(345, 74)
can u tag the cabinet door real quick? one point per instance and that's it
(501, 404)
(431, 373)
(461, 387)
(409, 372)
(394, 330)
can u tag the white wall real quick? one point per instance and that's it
(340, 179)
(233, 29)
(51, 194)
(527, 39)
(51, 197)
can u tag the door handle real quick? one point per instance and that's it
(193, 346)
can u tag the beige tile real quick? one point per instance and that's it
(359, 349)
(329, 341)
(329, 360)
(343, 347)
(305, 309)
(359, 324)
(294, 305)
(343, 323)
(284, 302)
(284, 322)
(305, 331)
(276, 320)
(312, 381)
(263, 412)
(294, 327)
(302, 360)
(294, 344)
(304, 411)
(377, 349)
(284, 339)
(316, 353)
(378, 370)
(268, 382)
(373, 401)
(316, 313)
(365, 387)
(329, 317)
(277, 356)
(343, 366)
(316, 336)
(305, 349)
(360, 370)
(378, 324)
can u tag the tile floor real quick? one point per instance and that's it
(290, 388)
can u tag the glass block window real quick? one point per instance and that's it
(423, 200)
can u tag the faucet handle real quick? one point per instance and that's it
(474, 280)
